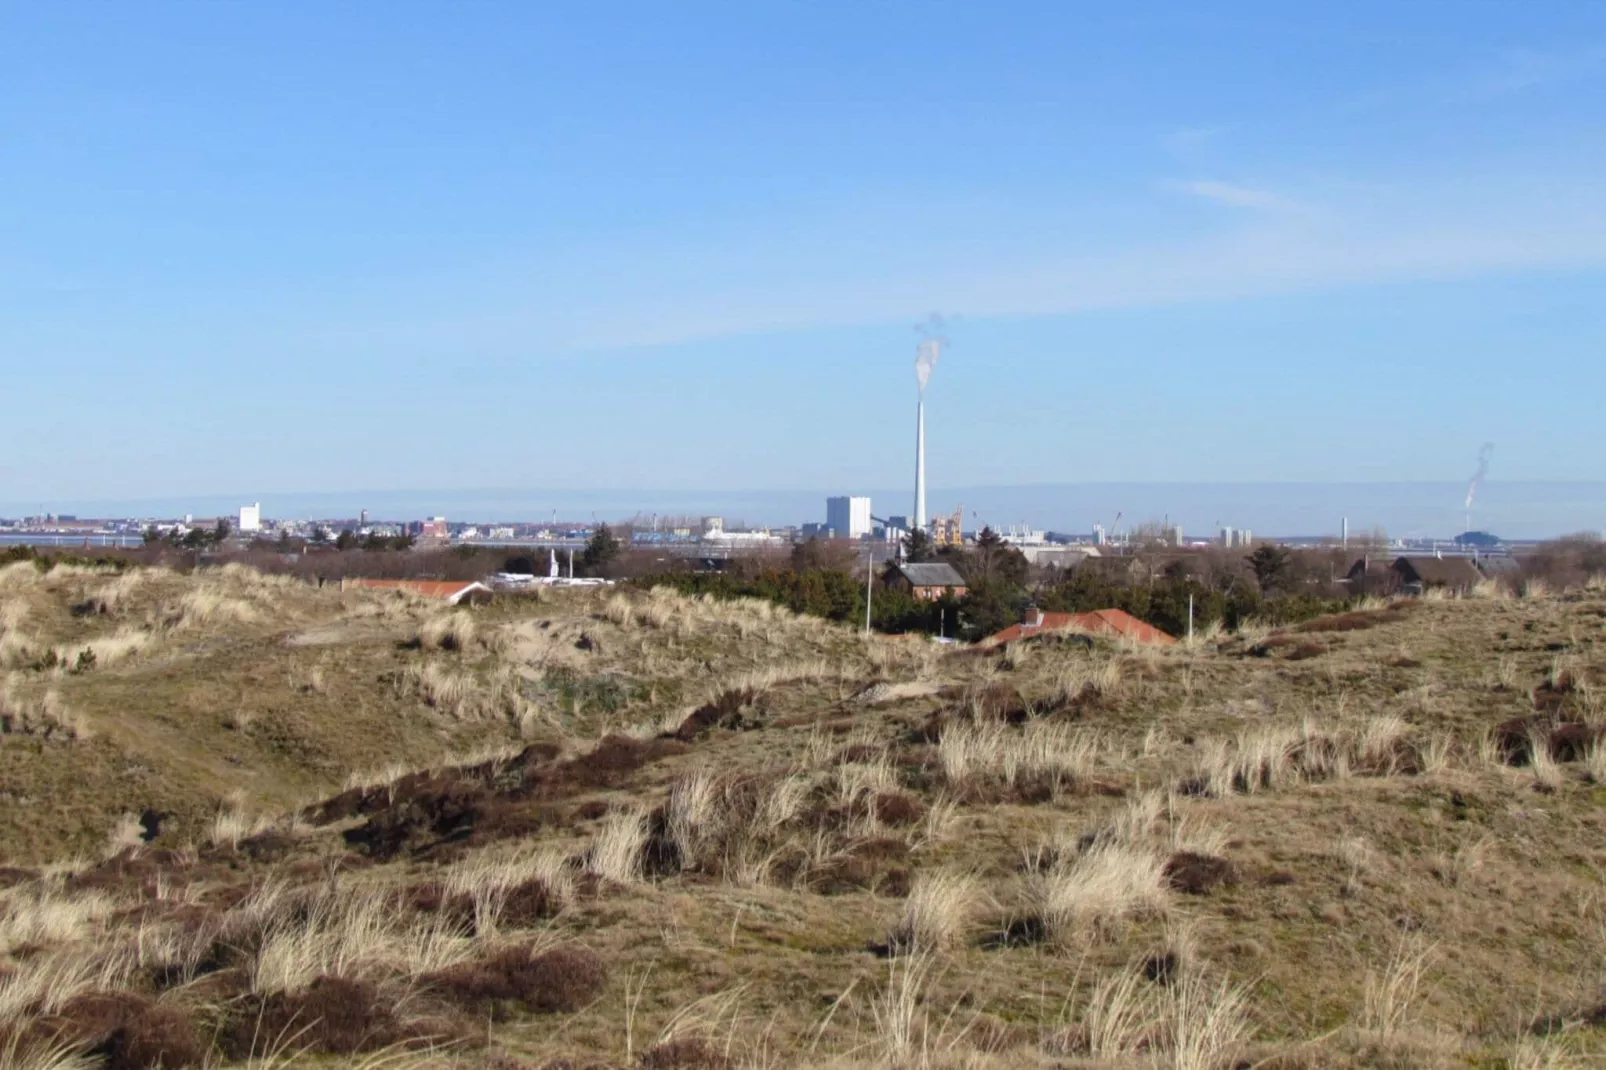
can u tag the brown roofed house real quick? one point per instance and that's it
(453, 592)
(1419, 574)
(928, 581)
(1108, 622)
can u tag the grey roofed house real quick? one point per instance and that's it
(1455, 573)
(930, 580)
(1499, 566)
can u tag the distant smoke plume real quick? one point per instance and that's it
(932, 341)
(1483, 471)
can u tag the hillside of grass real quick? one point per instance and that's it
(638, 830)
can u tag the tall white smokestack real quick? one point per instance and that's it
(920, 463)
(926, 354)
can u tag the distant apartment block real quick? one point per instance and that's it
(250, 518)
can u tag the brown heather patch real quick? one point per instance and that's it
(1565, 741)
(1199, 874)
(684, 1053)
(126, 1031)
(898, 809)
(727, 710)
(160, 1036)
(562, 980)
(1358, 620)
(878, 865)
(11, 876)
(335, 1016)
(1558, 696)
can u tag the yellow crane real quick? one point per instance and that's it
(949, 530)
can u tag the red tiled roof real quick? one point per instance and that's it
(1099, 622)
(447, 589)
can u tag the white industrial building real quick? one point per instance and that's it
(848, 518)
(250, 518)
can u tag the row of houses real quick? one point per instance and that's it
(1417, 575)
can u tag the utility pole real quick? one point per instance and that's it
(869, 584)
(1190, 616)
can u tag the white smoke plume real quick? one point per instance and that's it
(1478, 477)
(932, 341)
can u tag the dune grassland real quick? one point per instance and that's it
(246, 822)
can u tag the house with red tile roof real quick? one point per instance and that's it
(452, 592)
(1107, 622)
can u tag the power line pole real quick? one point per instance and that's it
(869, 582)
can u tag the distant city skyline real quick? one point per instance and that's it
(1412, 510)
(325, 246)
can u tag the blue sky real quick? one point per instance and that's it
(309, 247)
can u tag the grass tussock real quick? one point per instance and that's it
(938, 914)
(28, 709)
(1054, 757)
(449, 632)
(617, 850)
(1088, 894)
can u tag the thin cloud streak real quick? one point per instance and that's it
(1229, 194)
(1273, 255)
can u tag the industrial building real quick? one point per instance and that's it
(848, 517)
(250, 518)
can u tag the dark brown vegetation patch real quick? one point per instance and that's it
(897, 808)
(729, 709)
(334, 1015)
(1199, 874)
(11, 876)
(1567, 741)
(866, 866)
(1090, 699)
(126, 1031)
(564, 979)
(489, 802)
(1288, 648)
(1557, 696)
(684, 1053)
(160, 1036)
(131, 867)
(1357, 620)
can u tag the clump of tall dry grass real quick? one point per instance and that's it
(43, 916)
(616, 852)
(1189, 1023)
(26, 710)
(464, 695)
(104, 651)
(205, 607)
(1392, 991)
(19, 575)
(1040, 752)
(1109, 882)
(938, 913)
(348, 933)
(488, 880)
(113, 597)
(449, 631)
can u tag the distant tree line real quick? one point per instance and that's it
(193, 539)
(1272, 584)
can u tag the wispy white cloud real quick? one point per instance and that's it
(1230, 194)
(1187, 140)
(1521, 70)
(863, 271)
